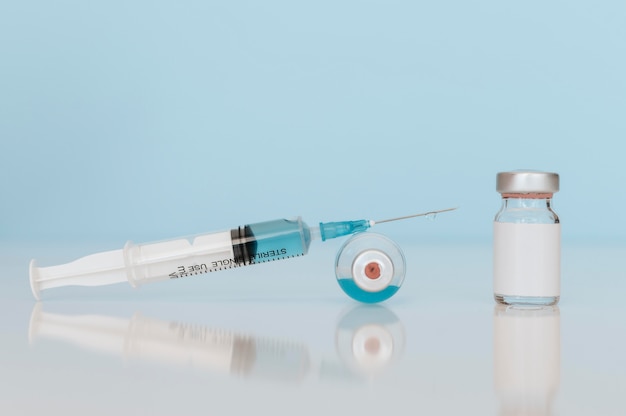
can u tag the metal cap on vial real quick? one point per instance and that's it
(527, 181)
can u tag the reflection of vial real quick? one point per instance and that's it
(370, 338)
(527, 240)
(526, 359)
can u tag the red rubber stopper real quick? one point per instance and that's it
(372, 270)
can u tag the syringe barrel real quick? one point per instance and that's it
(181, 257)
(207, 253)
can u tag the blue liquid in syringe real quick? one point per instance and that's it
(270, 240)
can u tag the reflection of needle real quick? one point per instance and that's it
(416, 215)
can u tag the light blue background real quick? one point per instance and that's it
(151, 119)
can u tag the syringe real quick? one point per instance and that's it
(204, 253)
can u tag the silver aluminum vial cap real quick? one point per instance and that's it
(527, 181)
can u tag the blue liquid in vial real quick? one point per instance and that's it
(356, 293)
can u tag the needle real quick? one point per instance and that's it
(415, 215)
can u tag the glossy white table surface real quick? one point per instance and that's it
(282, 338)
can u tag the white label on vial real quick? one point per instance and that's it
(526, 259)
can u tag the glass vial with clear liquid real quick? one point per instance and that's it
(527, 240)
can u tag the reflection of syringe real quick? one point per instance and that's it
(369, 340)
(176, 343)
(206, 253)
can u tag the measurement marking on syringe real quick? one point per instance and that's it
(185, 271)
